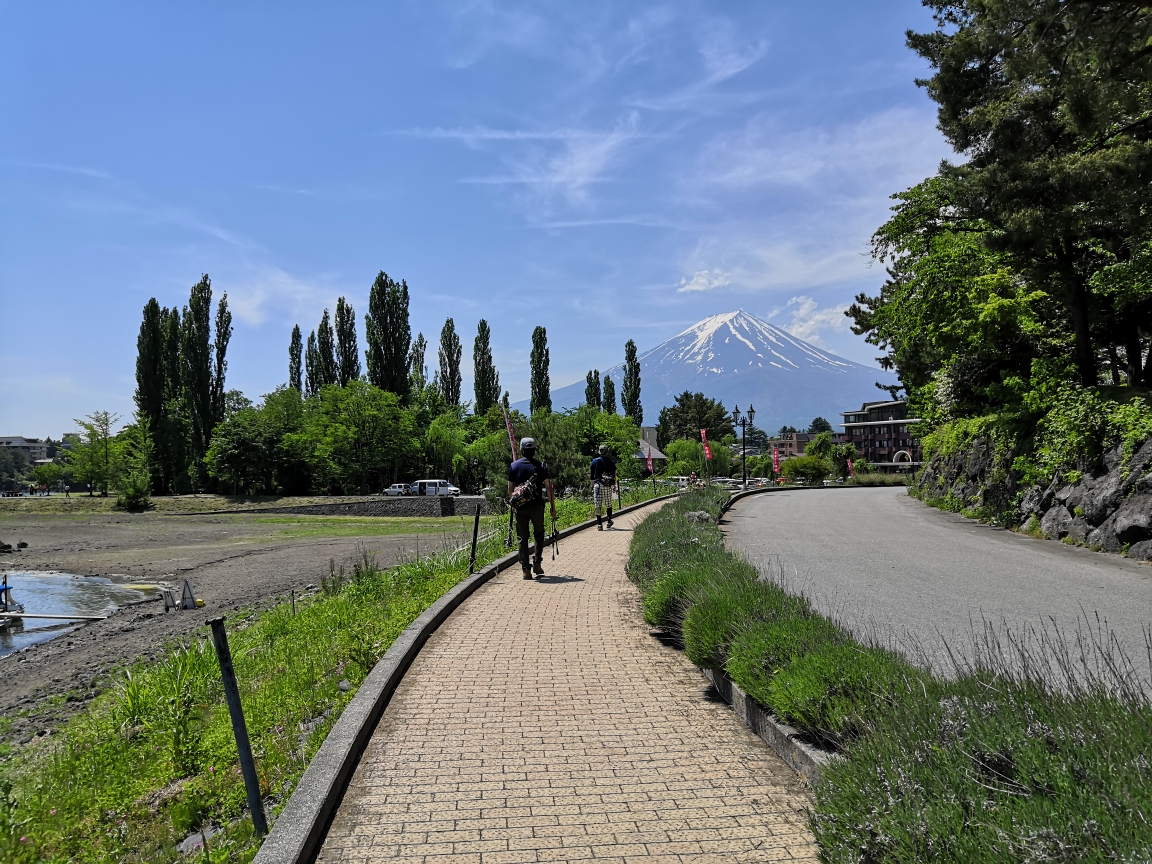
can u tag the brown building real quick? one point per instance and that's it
(879, 431)
(793, 443)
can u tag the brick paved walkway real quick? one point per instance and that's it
(542, 722)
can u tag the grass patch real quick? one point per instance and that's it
(1036, 750)
(153, 759)
(365, 526)
(879, 479)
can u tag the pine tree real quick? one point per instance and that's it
(487, 381)
(389, 335)
(196, 374)
(295, 358)
(630, 391)
(541, 395)
(449, 354)
(220, 369)
(592, 389)
(417, 370)
(608, 399)
(347, 354)
(326, 352)
(312, 366)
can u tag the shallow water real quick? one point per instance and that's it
(58, 594)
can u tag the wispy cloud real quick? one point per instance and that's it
(66, 169)
(704, 280)
(809, 322)
(256, 292)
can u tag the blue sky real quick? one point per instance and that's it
(607, 170)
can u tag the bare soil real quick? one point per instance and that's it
(237, 564)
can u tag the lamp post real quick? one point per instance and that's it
(743, 422)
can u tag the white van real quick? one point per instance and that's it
(434, 487)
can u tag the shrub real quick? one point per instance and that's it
(764, 648)
(726, 605)
(834, 693)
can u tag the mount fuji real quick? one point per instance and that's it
(740, 360)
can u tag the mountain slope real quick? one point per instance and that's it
(739, 359)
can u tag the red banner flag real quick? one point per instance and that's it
(707, 449)
(775, 460)
(850, 471)
(511, 434)
(650, 471)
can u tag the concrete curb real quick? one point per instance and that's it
(300, 829)
(804, 758)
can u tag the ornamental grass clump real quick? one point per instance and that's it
(763, 648)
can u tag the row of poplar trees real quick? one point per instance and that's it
(395, 362)
(602, 394)
(180, 368)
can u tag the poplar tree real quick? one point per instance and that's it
(449, 354)
(417, 371)
(347, 354)
(196, 375)
(389, 335)
(150, 366)
(171, 439)
(326, 352)
(220, 369)
(295, 358)
(487, 381)
(541, 395)
(630, 391)
(608, 399)
(312, 366)
(592, 389)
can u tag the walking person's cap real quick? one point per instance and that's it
(603, 449)
(527, 443)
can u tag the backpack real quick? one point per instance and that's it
(527, 492)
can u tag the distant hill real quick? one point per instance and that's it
(740, 360)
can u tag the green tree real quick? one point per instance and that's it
(347, 354)
(220, 367)
(417, 369)
(171, 437)
(446, 446)
(133, 467)
(150, 366)
(48, 474)
(196, 375)
(608, 399)
(630, 391)
(328, 374)
(449, 354)
(389, 335)
(486, 380)
(295, 360)
(541, 385)
(822, 446)
(93, 454)
(690, 413)
(592, 397)
(810, 469)
(819, 425)
(242, 454)
(312, 365)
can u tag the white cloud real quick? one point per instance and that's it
(809, 321)
(265, 290)
(704, 280)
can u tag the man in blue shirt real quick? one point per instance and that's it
(527, 469)
(603, 479)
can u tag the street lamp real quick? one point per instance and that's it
(743, 422)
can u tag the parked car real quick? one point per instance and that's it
(398, 489)
(434, 487)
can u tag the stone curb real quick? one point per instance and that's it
(804, 758)
(300, 829)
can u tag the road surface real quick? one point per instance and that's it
(885, 563)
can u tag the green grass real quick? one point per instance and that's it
(1035, 750)
(365, 526)
(153, 758)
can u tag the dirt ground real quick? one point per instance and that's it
(235, 562)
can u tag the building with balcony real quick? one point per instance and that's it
(880, 432)
(34, 449)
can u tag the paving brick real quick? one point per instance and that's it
(542, 722)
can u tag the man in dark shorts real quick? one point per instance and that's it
(603, 479)
(524, 470)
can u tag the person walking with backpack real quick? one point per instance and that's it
(528, 483)
(603, 479)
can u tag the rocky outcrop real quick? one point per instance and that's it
(1109, 509)
(977, 477)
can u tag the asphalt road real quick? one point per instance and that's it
(886, 564)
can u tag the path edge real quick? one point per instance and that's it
(300, 829)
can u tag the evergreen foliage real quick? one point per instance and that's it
(541, 386)
(486, 380)
(690, 413)
(449, 353)
(818, 425)
(608, 397)
(328, 372)
(389, 335)
(630, 391)
(592, 397)
(312, 366)
(295, 360)
(347, 354)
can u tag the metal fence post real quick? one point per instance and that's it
(475, 532)
(236, 712)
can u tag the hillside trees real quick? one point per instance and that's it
(630, 391)
(486, 380)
